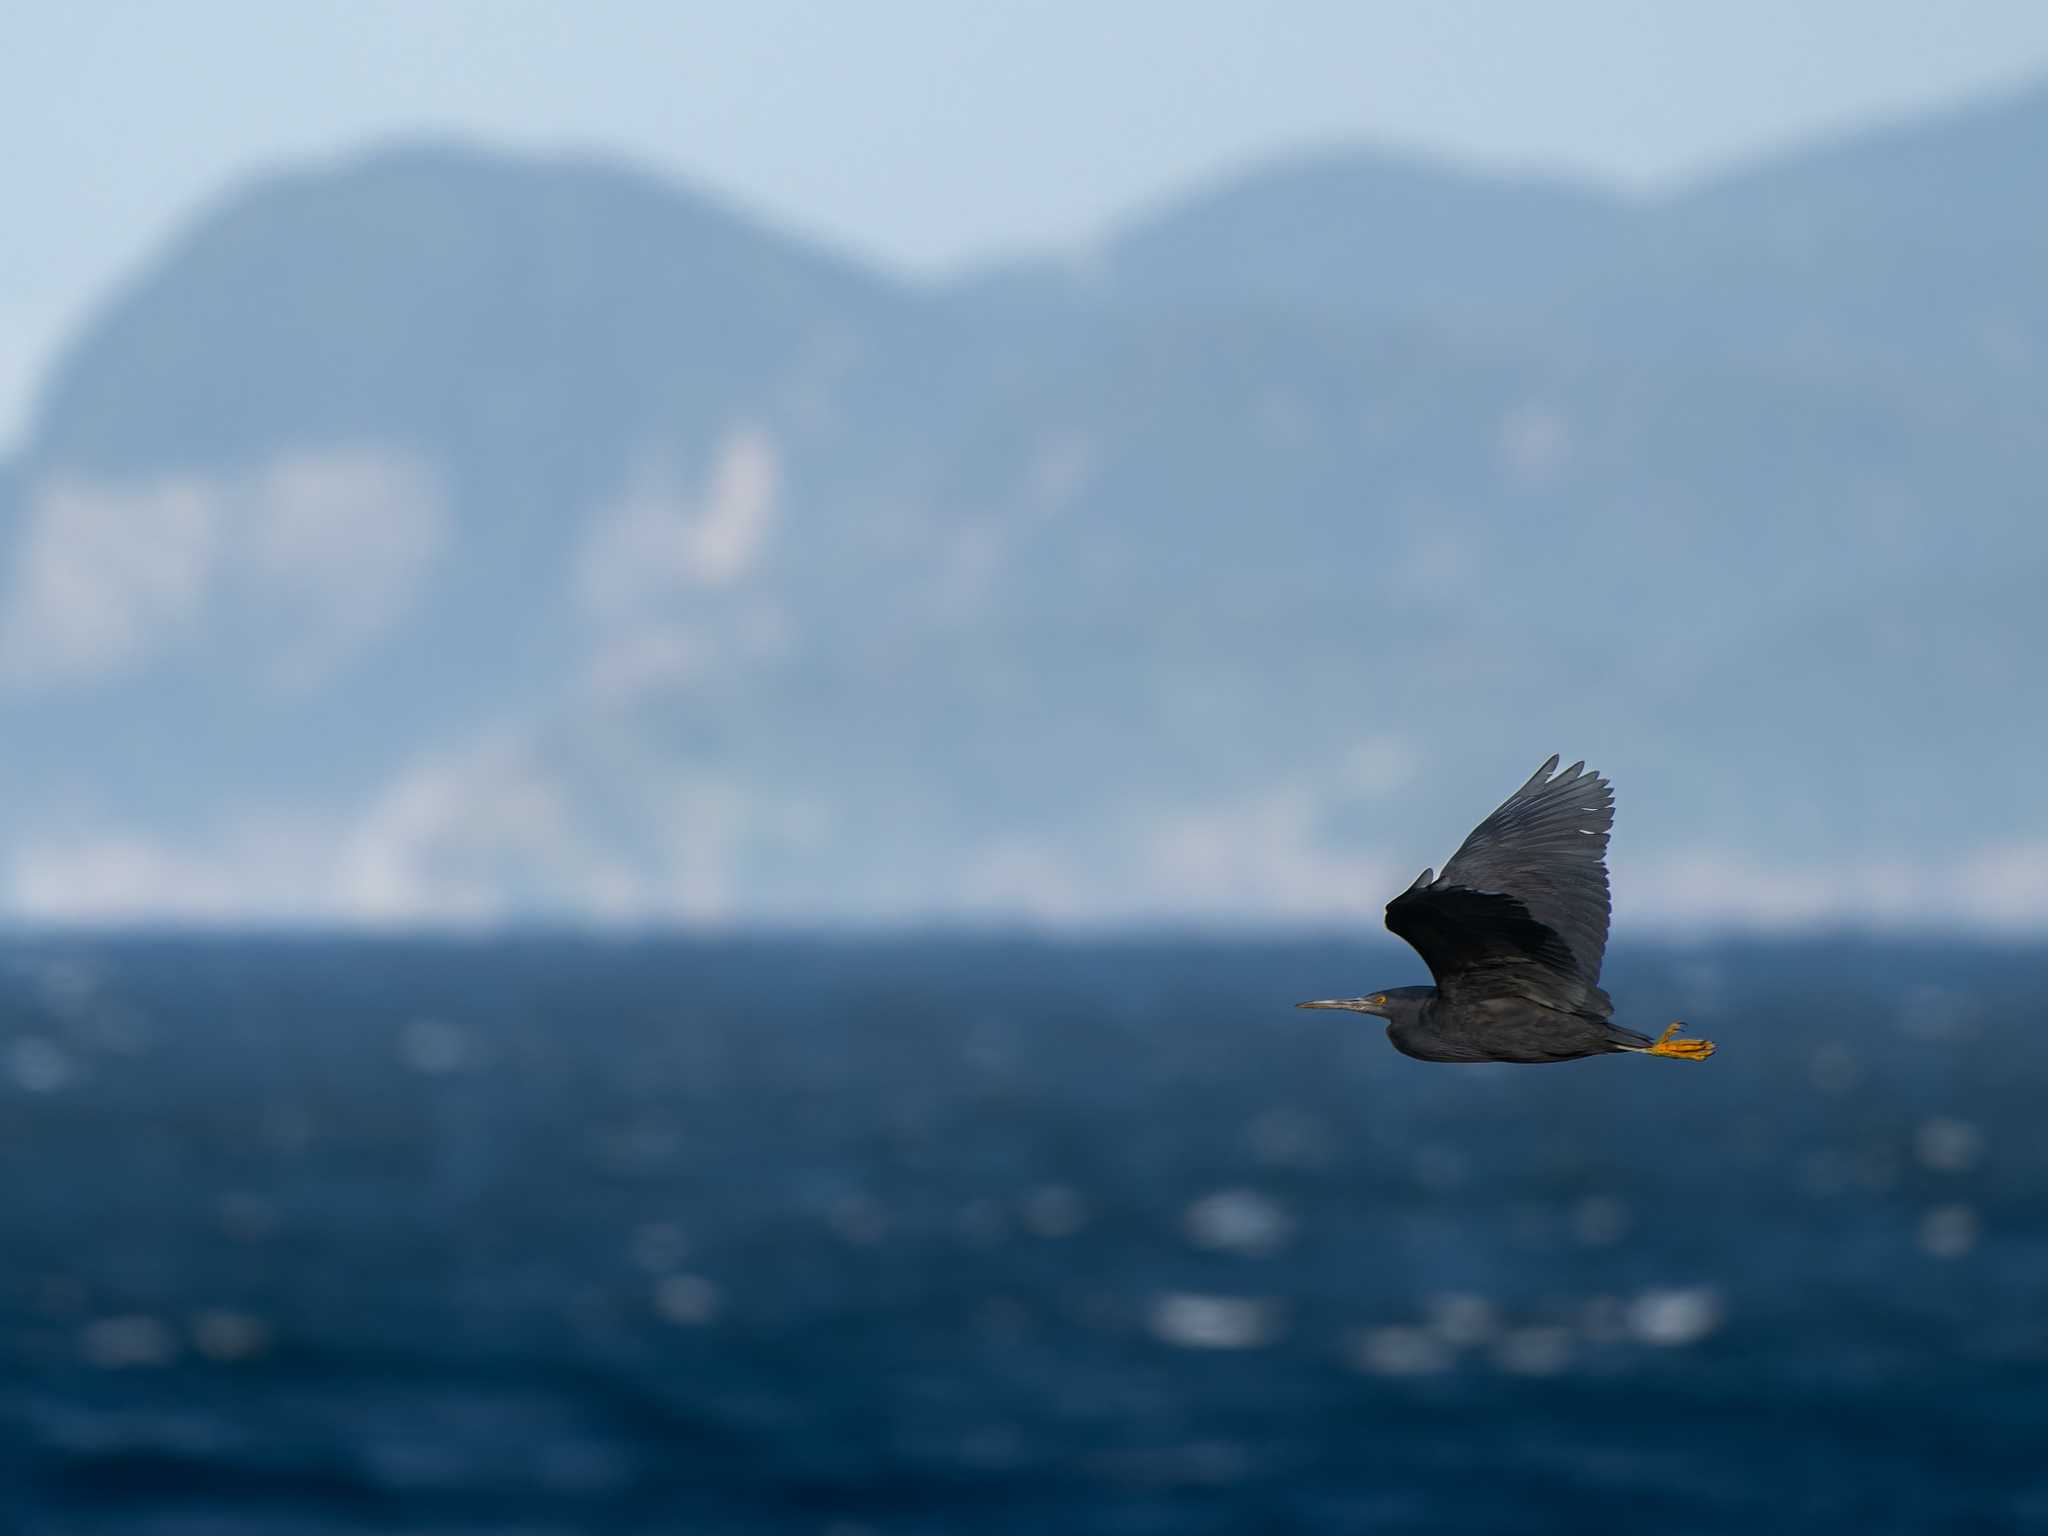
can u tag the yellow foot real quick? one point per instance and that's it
(1685, 1050)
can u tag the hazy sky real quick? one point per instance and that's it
(919, 132)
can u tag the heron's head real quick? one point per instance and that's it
(1393, 1003)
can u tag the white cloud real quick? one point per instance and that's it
(476, 835)
(2005, 886)
(1264, 857)
(105, 575)
(1263, 860)
(342, 540)
(738, 511)
(1999, 886)
(709, 822)
(468, 836)
(455, 838)
(261, 868)
(661, 539)
(460, 838)
(644, 658)
(1027, 880)
(116, 877)
(327, 547)
(499, 828)
(1260, 859)
(1705, 886)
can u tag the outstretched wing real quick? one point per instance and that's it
(1522, 907)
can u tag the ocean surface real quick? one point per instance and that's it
(545, 1234)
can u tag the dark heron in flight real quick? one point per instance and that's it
(1513, 931)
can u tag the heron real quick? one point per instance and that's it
(1514, 931)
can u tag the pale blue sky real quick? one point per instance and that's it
(922, 133)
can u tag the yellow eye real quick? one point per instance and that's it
(1380, 1000)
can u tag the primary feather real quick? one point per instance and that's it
(1522, 908)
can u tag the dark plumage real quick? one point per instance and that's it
(1514, 931)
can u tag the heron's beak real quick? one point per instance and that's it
(1351, 1004)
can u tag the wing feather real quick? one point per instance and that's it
(1522, 908)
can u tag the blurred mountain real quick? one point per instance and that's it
(1400, 239)
(440, 533)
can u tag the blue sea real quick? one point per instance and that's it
(540, 1234)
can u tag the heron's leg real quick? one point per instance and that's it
(1685, 1050)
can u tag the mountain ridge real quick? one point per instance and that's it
(444, 532)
